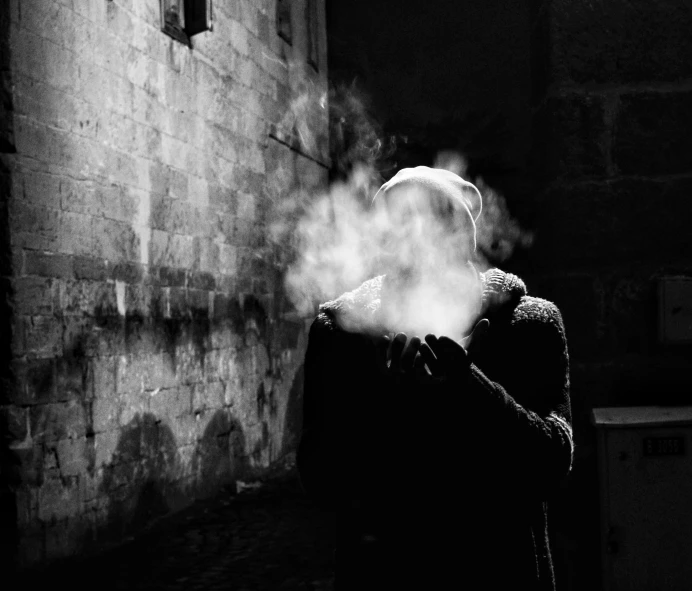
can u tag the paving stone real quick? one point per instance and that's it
(267, 538)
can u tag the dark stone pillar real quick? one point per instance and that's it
(612, 98)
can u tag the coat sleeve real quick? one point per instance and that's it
(534, 439)
(333, 371)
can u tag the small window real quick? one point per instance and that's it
(313, 34)
(283, 20)
(181, 19)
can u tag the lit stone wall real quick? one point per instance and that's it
(153, 356)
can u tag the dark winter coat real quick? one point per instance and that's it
(440, 487)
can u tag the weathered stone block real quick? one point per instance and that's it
(33, 296)
(115, 241)
(167, 181)
(35, 228)
(208, 257)
(631, 318)
(603, 224)
(202, 280)
(572, 137)
(74, 380)
(127, 272)
(173, 215)
(214, 394)
(228, 259)
(133, 405)
(79, 196)
(189, 365)
(105, 446)
(42, 336)
(77, 235)
(171, 250)
(651, 134)
(621, 41)
(105, 413)
(90, 268)
(15, 422)
(176, 302)
(34, 381)
(72, 456)
(185, 429)
(88, 298)
(130, 374)
(103, 371)
(27, 505)
(160, 372)
(172, 277)
(59, 498)
(171, 403)
(198, 302)
(45, 264)
(56, 421)
(138, 300)
(101, 335)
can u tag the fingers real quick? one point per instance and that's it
(403, 355)
(409, 354)
(476, 337)
(428, 356)
(447, 356)
(381, 347)
(449, 349)
(451, 355)
(396, 350)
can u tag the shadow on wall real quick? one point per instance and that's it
(293, 419)
(137, 480)
(156, 466)
(221, 454)
(142, 480)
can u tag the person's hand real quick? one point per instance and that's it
(399, 358)
(448, 360)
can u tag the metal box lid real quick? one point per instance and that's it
(637, 416)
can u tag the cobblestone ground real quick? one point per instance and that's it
(270, 537)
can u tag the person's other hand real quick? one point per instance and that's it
(448, 360)
(399, 357)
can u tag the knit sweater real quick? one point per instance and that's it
(436, 481)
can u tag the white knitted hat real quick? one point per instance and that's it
(453, 193)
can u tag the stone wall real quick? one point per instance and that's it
(154, 356)
(613, 110)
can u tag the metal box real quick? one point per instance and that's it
(645, 472)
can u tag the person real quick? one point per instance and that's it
(438, 453)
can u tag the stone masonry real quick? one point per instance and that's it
(613, 110)
(150, 355)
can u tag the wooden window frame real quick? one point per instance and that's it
(284, 28)
(312, 17)
(191, 18)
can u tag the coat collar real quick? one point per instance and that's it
(359, 310)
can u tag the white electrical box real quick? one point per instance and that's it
(645, 472)
(675, 310)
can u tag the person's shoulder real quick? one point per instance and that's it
(537, 311)
(324, 322)
(355, 311)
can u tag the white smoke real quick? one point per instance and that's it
(341, 240)
(338, 240)
(498, 234)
